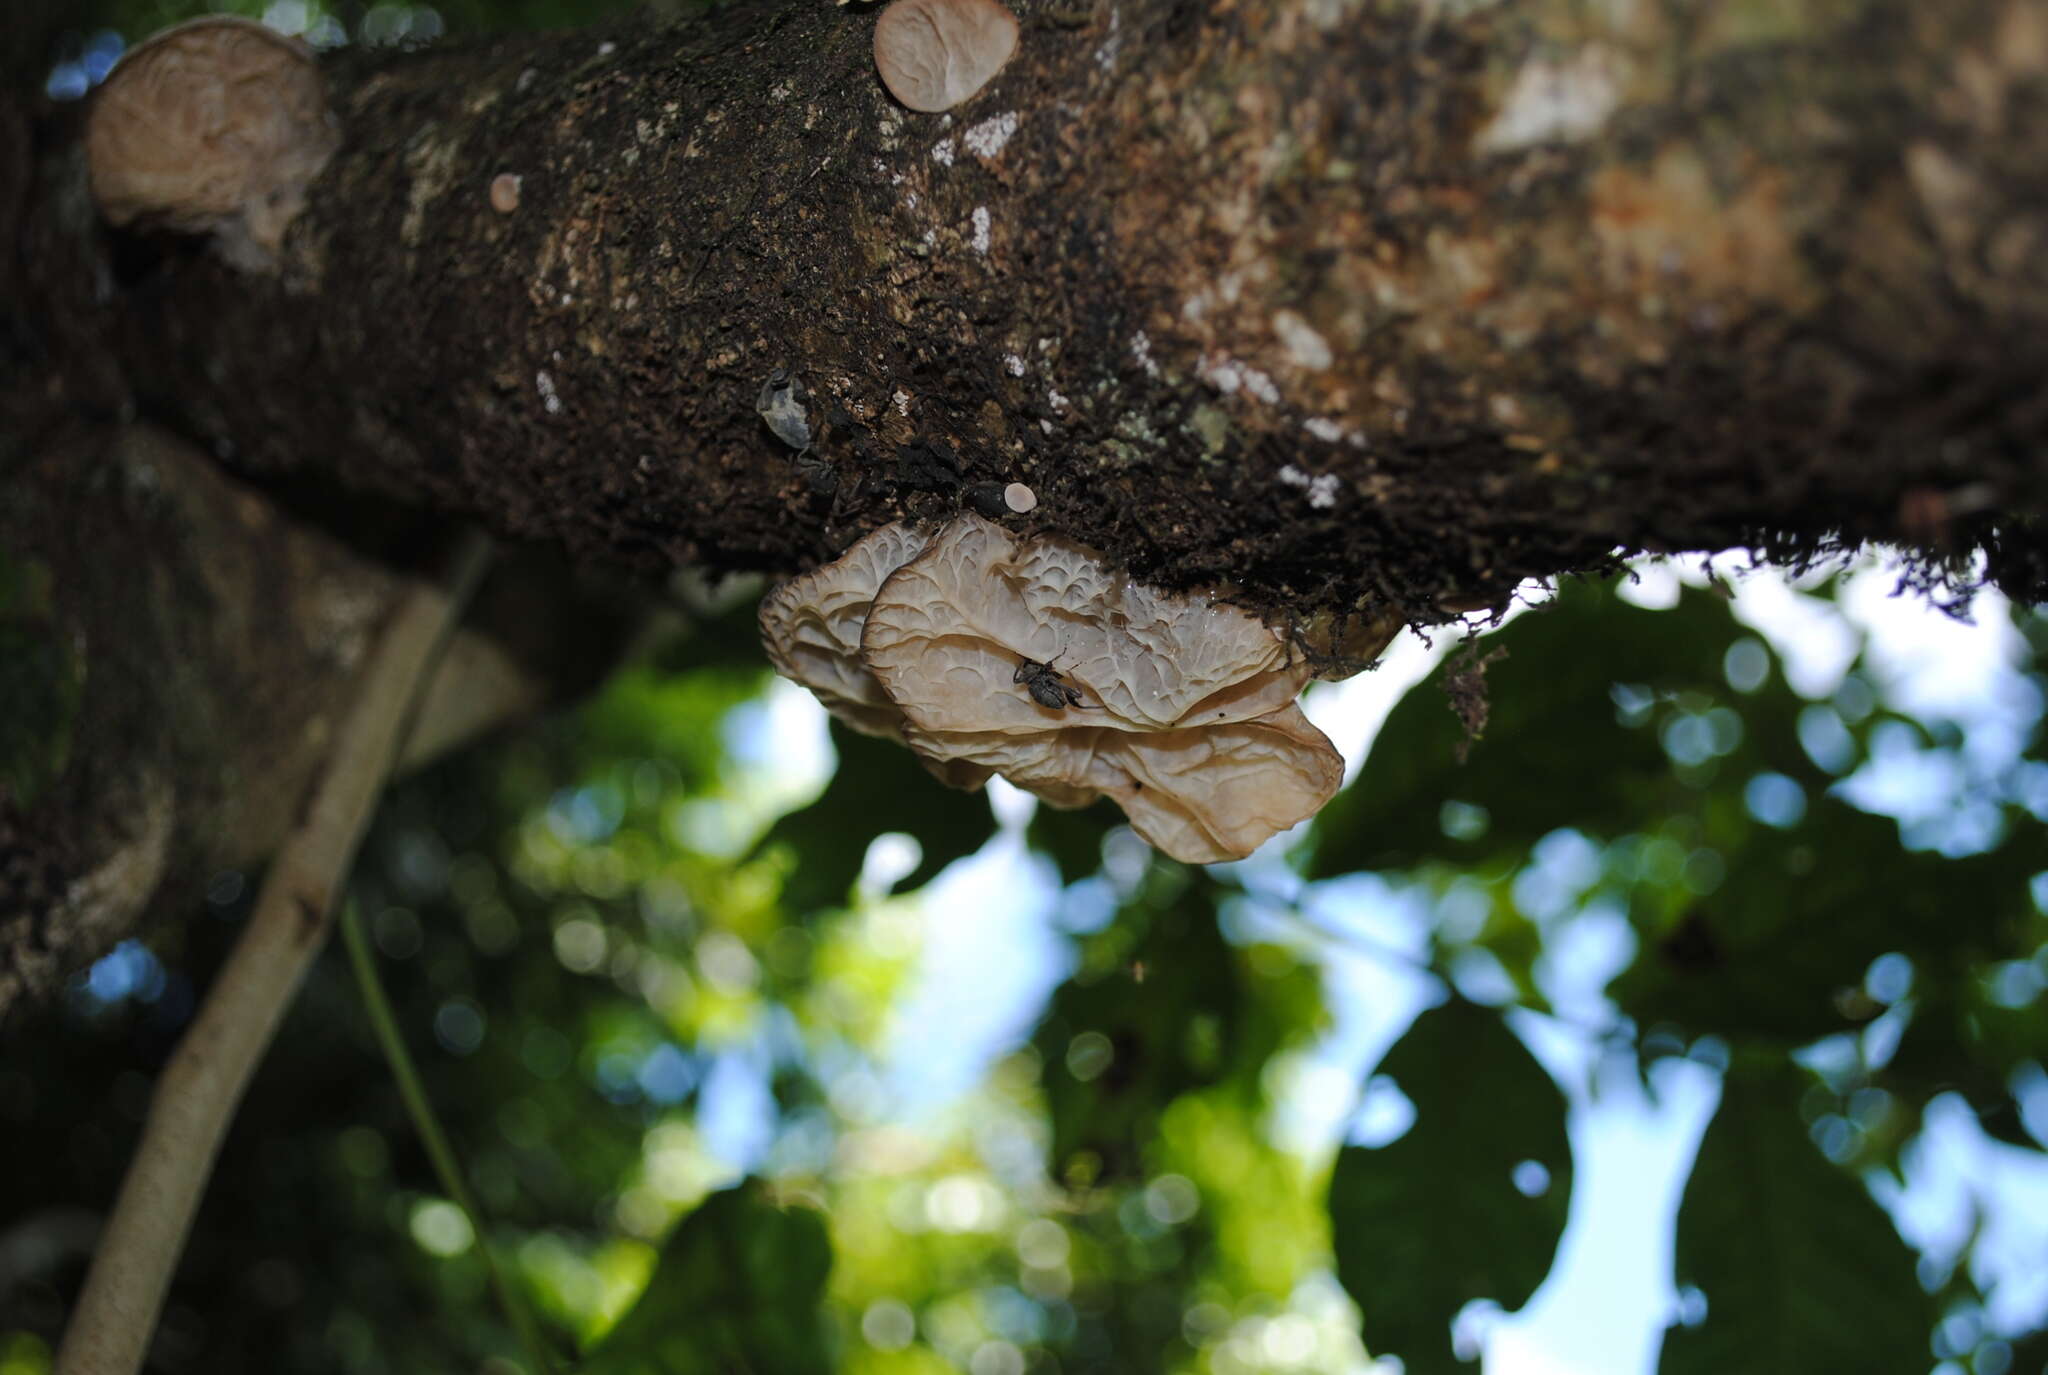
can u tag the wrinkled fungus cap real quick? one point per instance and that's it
(933, 54)
(1187, 715)
(811, 629)
(216, 126)
(952, 625)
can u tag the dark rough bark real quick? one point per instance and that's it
(1527, 285)
(1365, 307)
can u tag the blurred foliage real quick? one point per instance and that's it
(879, 788)
(739, 1287)
(1469, 1201)
(1804, 1269)
(1655, 765)
(651, 950)
(1160, 1006)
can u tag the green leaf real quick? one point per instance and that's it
(1561, 747)
(1072, 837)
(646, 713)
(878, 787)
(1802, 1270)
(1161, 1006)
(739, 1291)
(1432, 1221)
(1553, 754)
(1803, 913)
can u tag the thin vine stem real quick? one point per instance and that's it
(439, 1151)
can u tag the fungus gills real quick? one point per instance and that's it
(214, 127)
(1192, 726)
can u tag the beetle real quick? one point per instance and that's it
(1048, 686)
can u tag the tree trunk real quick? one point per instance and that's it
(1368, 308)
(174, 654)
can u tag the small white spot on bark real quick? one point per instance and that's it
(1555, 101)
(1141, 349)
(1321, 488)
(1227, 375)
(942, 152)
(1054, 399)
(1307, 348)
(986, 139)
(1221, 373)
(1014, 364)
(1323, 428)
(545, 385)
(1105, 56)
(902, 399)
(779, 91)
(981, 228)
(607, 48)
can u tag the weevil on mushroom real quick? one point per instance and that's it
(213, 127)
(1047, 685)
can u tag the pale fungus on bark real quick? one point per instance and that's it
(934, 54)
(811, 627)
(216, 127)
(1020, 498)
(1037, 660)
(505, 192)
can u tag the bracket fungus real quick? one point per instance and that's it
(1036, 660)
(215, 127)
(811, 627)
(933, 54)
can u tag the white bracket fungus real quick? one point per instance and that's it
(1179, 708)
(811, 627)
(216, 126)
(933, 54)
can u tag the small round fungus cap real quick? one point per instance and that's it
(1178, 707)
(216, 126)
(933, 54)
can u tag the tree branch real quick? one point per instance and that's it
(201, 1083)
(1354, 305)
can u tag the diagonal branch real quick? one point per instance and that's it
(203, 1081)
